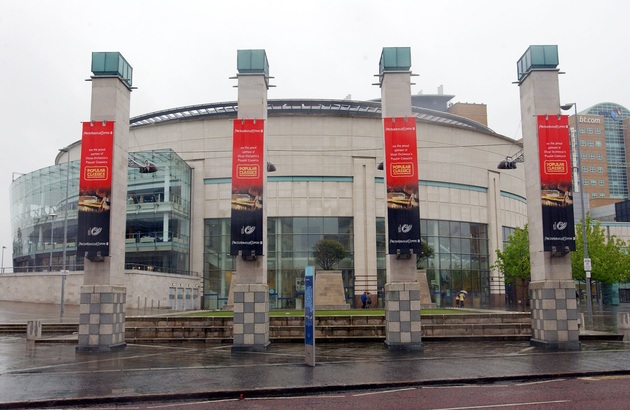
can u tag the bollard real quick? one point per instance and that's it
(623, 321)
(623, 325)
(33, 329)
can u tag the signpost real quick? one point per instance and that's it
(309, 315)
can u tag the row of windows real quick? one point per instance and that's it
(590, 130)
(590, 143)
(592, 169)
(600, 195)
(593, 182)
(592, 156)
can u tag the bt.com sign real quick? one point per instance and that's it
(590, 120)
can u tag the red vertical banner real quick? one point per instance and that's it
(248, 166)
(401, 178)
(95, 187)
(554, 152)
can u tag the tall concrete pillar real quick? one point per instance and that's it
(250, 288)
(553, 302)
(103, 294)
(364, 213)
(402, 290)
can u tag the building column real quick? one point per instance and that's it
(364, 212)
(402, 290)
(553, 303)
(250, 288)
(496, 287)
(103, 294)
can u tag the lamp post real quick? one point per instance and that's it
(3, 248)
(52, 217)
(65, 233)
(587, 260)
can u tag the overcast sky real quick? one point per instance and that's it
(183, 53)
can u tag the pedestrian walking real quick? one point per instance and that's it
(368, 300)
(364, 298)
(461, 297)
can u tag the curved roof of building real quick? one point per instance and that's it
(608, 110)
(301, 106)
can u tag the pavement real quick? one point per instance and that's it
(38, 375)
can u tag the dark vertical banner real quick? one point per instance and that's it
(247, 187)
(95, 187)
(401, 178)
(309, 315)
(556, 182)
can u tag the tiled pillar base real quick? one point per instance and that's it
(402, 316)
(554, 315)
(102, 318)
(251, 317)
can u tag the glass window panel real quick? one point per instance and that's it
(445, 245)
(313, 239)
(300, 242)
(466, 262)
(315, 225)
(286, 226)
(331, 225)
(286, 242)
(300, 225)
(432, 228)
(465, 245)
(456, 245)
(445, 261)
(271, 226)
(455, 231)
(465, 229)
(346, 241)
(444, 228)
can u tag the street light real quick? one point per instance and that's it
(3, 248)
(65, 232)
(587, 260)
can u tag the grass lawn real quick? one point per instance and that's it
(350, 312)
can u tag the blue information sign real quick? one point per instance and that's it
(309, 306)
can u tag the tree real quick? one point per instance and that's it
(514, 261)
(328, 253)
(609, 258)
(427, 252)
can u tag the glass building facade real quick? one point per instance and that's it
(290, 244)
(614, 114)
(460, 261)
(44, 216)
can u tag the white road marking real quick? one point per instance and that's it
(540, 382)
(295, 397)
(490, 406)
(383, 391)
(161, 406)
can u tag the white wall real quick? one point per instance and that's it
(144, 289)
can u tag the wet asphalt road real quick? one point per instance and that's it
(40, 373)
(44, 374)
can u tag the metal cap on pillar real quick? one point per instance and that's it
(112, 64)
